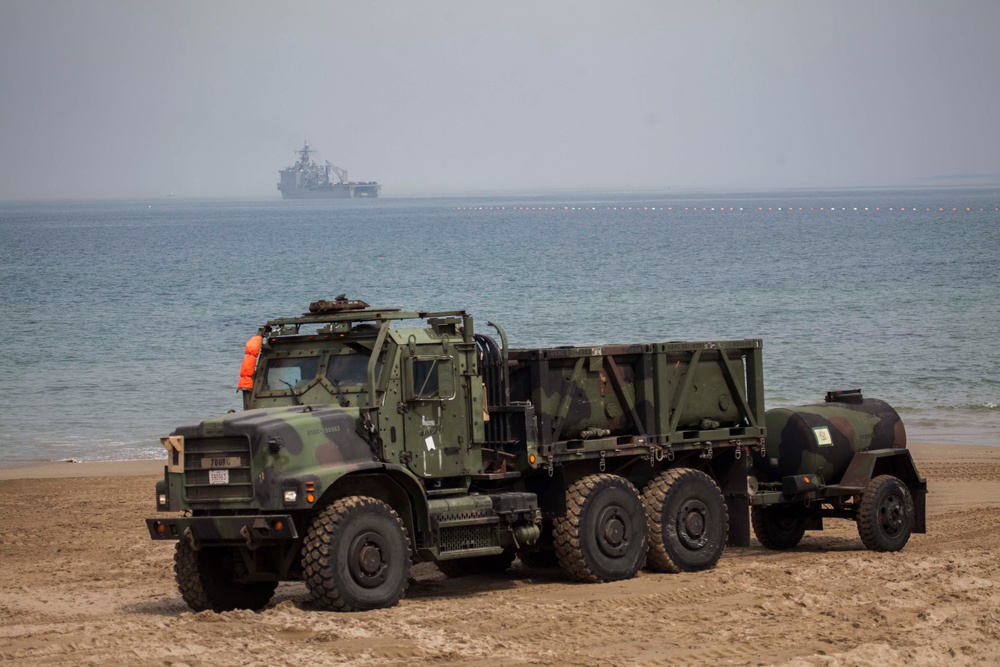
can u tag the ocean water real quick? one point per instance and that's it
(123, 320)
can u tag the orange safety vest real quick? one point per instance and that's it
(249, 363)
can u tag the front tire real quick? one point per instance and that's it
(885, 517)
(356, 556)
(212, 578)
(688, 521)
(603, 536)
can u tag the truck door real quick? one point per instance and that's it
(436, 426)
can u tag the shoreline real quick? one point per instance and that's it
(931, 451)
(970, 436)
(979, 437)
(65, 469)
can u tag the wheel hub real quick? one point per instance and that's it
(694, 524)
(891, 515)
(614, 532)
(691, 524)
(613, 528)
(368, 559)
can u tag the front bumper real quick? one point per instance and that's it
(253, 531)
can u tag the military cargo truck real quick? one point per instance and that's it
(372, 439)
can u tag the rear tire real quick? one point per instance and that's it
(886, 515)
(688, 521)
(778, 527)
(210, 579)
(464, 567)
(356, 556)
(603, 536)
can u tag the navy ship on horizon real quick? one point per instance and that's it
(307, 180)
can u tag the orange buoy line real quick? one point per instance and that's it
(735, 209)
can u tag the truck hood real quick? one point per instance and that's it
(294, 437)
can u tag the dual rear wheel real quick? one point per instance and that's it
(610, 531)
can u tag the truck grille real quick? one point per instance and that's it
(467, 537)
(205, 455)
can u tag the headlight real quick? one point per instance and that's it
(291, 496)
(162, 499)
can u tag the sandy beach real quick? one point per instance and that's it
(84, 585)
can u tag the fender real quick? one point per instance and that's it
(897, 462)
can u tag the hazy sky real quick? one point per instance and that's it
(135, 99)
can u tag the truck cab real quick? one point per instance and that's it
(417, 390)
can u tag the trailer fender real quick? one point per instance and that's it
(897, 462)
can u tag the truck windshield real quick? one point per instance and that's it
(288, 373)
(350, 369)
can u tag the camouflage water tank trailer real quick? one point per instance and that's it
(373, 438)
(846, 458)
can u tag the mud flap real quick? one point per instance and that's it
(731, 475)
(738, 506)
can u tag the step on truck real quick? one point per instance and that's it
(372, 439)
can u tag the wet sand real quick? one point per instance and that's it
(84, 585)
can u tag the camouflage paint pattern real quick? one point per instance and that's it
(281, 448)
(665, 393)
(822, 439)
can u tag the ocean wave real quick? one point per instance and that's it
(985, 407)
(38, 449)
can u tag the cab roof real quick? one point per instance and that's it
(344, 310)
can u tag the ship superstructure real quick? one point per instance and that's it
(307, 180)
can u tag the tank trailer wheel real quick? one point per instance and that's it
(778, 527)
(603, 536)
(210, 579)
(464, 567)
(356, 556)
(886, 515)
(688, 521)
